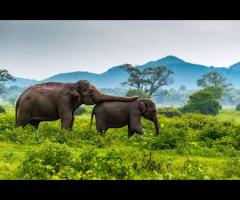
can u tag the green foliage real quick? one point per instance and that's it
(213, 78)
(216, 92)
(4, 76)
(238, 107)
(80, 110)
(2, 110)
(232, 168)
(169, 112)
(136, 92)
(149, 79)
(136, 77)
(202, 102)
(169, 138)
(191, 146)
(156, 77)
(111, 166)
(44, 162)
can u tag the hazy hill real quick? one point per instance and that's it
(235, 66)
(109, 79)
(21, 82)
(185, 73)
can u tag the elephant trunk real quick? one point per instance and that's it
(155, 120)
(104, 97)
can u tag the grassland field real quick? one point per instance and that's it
(192, 146)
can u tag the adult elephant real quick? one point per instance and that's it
(53, 100)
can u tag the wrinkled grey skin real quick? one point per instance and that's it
(53, 100)
(119, 114)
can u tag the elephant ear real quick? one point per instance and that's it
(75, 98)
(74, 94)
(143, 107)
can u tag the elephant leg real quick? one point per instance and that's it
(66, 120)
(135, 124)
(130, 132)
(35, 123)
(72, 122)
(100, 125)
(22, 119)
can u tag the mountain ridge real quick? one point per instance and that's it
(185, 73)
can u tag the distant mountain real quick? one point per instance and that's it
(235, 66)
(185, 73)
(109, 79)
(21, 82)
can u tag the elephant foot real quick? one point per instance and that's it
(130, 134)
(140, 132)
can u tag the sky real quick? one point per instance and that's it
(39, 49)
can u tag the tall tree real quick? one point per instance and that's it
(4, 76)
(213, 78)
(149, 79)
(156, 78)
(136, 77)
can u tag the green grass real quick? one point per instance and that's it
(192, 146)
(229, 114)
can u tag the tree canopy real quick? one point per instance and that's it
(202, 102)
(149, 79)
(213, 78)
(4, 76)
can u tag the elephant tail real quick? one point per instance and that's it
(92, 114)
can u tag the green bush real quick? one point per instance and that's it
(238, 107)
(7, 121)
(112, 165)
(215, 131)
(86, 160)
(168, 138)
(170, 112)
(198, 121)
(80, 110)
(202, 102)
(46, 161)
(232, 168)
(2, 110)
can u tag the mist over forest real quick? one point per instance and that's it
(182, 83)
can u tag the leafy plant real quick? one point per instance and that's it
(46, 161)
(2, 110)
(80, 111)
(170, 112)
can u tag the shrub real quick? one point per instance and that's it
(80, 110)
(112, 165)
(2, 110)
(168, 138)
(232, 168)
(202, 102)
(170, 112)
(7, 121)
(191, 169)
(238, 107)
(86, 160)
(46, 161)
(215, 131)
(198, 121)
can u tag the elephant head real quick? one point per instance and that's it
(91, 95)
(148, 111)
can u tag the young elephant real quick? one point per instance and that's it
(116, 114)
